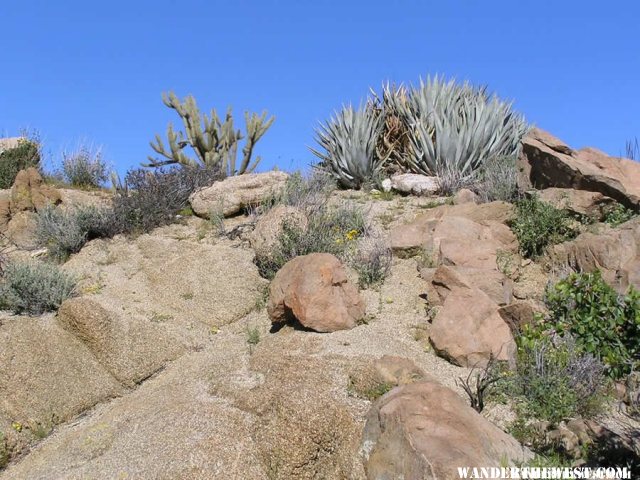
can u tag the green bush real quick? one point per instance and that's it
(84, 168)
(617, 214)
(538, 225)
(25, 155)
(64, 232)
(604, 323)
(150, 199)
(34, 287)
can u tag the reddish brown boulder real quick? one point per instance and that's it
(468, 329)
(546, 161)
(424, 431)
(314, 289)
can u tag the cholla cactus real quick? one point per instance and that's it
(349, 139)
(215, 142)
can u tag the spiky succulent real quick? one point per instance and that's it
(349, 141)
(453, 127)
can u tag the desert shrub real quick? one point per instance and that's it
(371, 260)
(538, 224)
(329, 230)
(34, 287)
(84, 168)
(25, 155)
(454, 127)
(150, 199)
(604, 323)
(617, 214)
(308, 193)
(498, 179)
(340, 229)
(64, 232)
(348, 141)
(554, 379)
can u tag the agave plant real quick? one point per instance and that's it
(453, 127)
(349, 141)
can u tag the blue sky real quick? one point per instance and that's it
(95, 71)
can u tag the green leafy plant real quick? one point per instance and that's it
(604, 323)
(349, 141)
(538, 224)
(454, 128)
(34, 287)
(85, 168)
(213, 141)
(24, 155)
(617, 214)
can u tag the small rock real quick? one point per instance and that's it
(465, 195)
(386, 185)
(415, 184)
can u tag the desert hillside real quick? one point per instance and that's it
(429, 296)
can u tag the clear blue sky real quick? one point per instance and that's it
(96, 70)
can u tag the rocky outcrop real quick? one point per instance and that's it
(579, 202)
(130, 348)
(233, 194)
(425, 431)
(315, 290)
(546, 161)
(615, 252)
(468, 329)
(30, 193)
(46, 374)
(452, 238)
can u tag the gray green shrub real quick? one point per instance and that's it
(84, 168)
(497, 179)
(554, 379)
(34, 287)
(64, 232)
